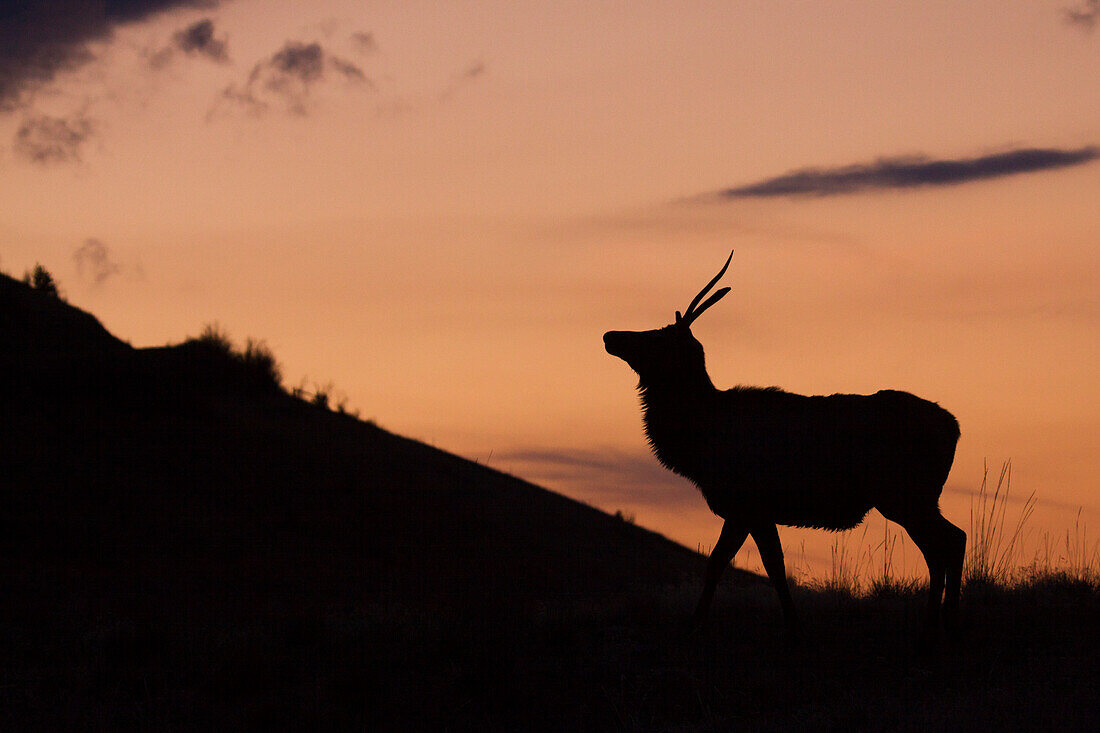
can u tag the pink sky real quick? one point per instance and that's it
(446, 234)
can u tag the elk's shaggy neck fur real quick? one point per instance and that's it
(689, 423)
(676, 411)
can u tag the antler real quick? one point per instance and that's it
(692, 312)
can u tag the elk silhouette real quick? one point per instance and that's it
(764, 457)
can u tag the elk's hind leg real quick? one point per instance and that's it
(943, 546)
(729, 542)
(956, 554)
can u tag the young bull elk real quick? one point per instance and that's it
(763, 457)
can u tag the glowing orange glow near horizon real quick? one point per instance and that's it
(447, 243)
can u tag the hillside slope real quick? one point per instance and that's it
(127, 457)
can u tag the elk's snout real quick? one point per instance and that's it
(616, 343)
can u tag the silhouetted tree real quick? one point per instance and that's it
(40, 279)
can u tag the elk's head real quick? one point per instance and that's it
(671, 354)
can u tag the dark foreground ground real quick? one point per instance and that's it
(184, 545)
(76, 654)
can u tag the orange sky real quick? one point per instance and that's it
(447, 237)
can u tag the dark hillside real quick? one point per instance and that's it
(176, 454)
(152, 500)
(34, 323)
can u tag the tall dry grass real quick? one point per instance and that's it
(993, 545)
(994, 556)
(1069, 555)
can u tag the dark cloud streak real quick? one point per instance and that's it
(39, 38)
(911, 172)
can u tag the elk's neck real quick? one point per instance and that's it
(676, 419)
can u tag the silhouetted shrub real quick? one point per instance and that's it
(321, 395)
(215, 338)
(256, 363)
(299, 392)
(260, 361)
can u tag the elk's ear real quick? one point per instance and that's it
(678, 318)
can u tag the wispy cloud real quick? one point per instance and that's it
(976, 496)
(612, 476)
(474, 70)
(364, 42)
(911, 172)
(93, 263)
(287, 79)
(464, 78)
(44, 139)
(1085, 16)
(198, 39)
(39, 38)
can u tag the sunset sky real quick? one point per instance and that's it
(440, 207)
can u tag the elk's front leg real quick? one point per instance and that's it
(766, 537)
(729, 542)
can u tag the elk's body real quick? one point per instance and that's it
(763, 457)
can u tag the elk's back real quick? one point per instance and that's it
(823, 461)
